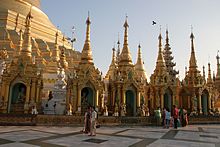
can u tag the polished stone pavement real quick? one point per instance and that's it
(124, 136)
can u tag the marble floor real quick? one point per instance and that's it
(138, 136)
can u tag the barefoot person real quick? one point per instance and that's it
(87, 121)
(175, 116)
(93, 122)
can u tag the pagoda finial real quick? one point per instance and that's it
(118, 50)
(113, 55)
(160, 42)
(209, 80)
(87, 51)
(125, 57)
(126, 31)
(139, 66)
(55, 53)
(218, 65)
(167, 36)
(160, 59)
(139, 58)
(203, 70)
(29, 17)
(192, 62)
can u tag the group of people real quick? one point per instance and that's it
(178, 117)
(90, 121)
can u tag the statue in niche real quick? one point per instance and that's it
(105, 110)
(116, 110)
(123, 110)
(21, 94)
(143, 110)
(70, 109)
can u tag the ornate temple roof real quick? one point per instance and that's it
(125, 57)
(169, 58)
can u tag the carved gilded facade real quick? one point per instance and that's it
(124, 82)
(85, 85)
(33, 51)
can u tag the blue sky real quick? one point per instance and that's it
(108, 18)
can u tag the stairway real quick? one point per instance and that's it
(17, 108)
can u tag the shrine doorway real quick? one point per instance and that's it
(168, 99)
(130, 103)
(204, 102)
(17, 98)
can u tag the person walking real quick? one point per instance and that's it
(158, 116)
(167, 118)
(93, 122)
(163, 117)
(175, 115)
(87, 120)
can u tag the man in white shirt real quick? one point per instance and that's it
(93, 122)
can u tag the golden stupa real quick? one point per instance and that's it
(39, 41)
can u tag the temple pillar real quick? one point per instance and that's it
(123, 96)
(3, 90)
(97, 99)
(74, 98)
(79, 100)
(119, 94)
(138, 99)
(37, 93)
(209, 103)
(157, 100)
(213, 105)
(113, 97)
(200, 104)
(33, 91)
(6, 98)
(6, 92)
(26, 105)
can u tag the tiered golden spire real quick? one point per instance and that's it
(192, 61)
(139, 66)
(125, 57)
(112, 67)
(113, 57)
(209, 80)
(203, 70)
(55, 52)
(27, 47)
(86, 57)
(160, 65)
(118, 51)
